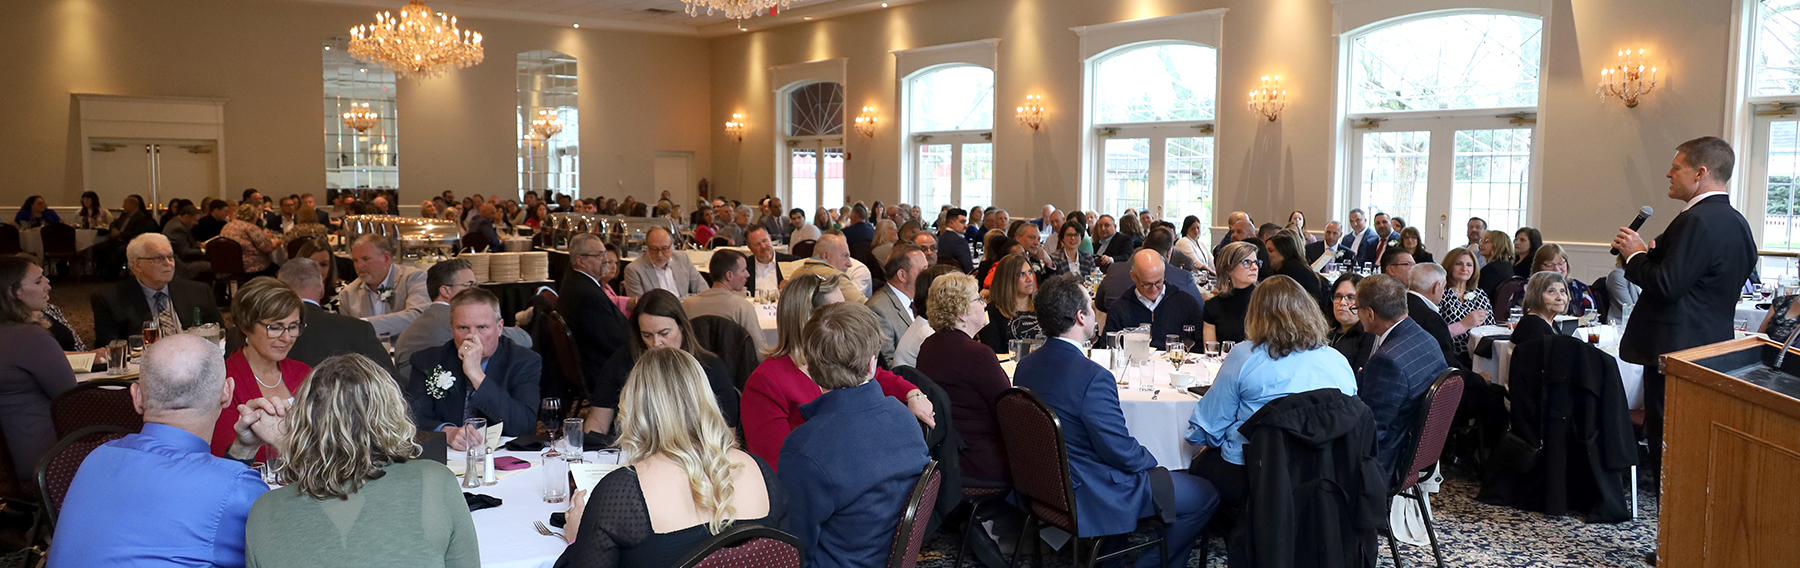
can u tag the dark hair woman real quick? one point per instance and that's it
(658, 320)
(1526, 242)
(93, 214)
(35, 213)
(31, 374)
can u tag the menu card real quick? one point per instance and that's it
(587, 475)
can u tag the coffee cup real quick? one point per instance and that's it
(1181, 380)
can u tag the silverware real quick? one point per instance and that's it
(1155, 394)
(543, 530)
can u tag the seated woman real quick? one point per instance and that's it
(886, 234)
(354, 483)
(268, 314)
(1193, 245)
(968, 371)
(1287, 258)
(1009, 311)
(35, 213)
(658, 321)
(687, 480)
(1497, 251)
(1347, 335)
(1068, 256)
(1462, 297)
(93, 215)
(31, 374)
(1553, 258)
(1287, 355)
(998, 247)
(256, 242)
(1414, 245)
(776, 389)
(1225, 311)
(1526, 242)
(1545, 298)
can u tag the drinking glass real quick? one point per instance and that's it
(1177, 352)
(116, 353)
(572, 439)
(1741, 324)
(556, 477)
(1212, 350)
(550, 418)
(151, 332)
(137, 344)
(1187, 331)
(1514, 315)
(271, 470)
(475, 457)
(1225, 347)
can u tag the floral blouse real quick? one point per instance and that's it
(1454, 308)
(1781, 327)
(254, 240)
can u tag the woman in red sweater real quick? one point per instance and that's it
(774, 392)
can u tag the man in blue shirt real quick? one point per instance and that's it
(158, 497)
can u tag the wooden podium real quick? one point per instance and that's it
(1731, 460)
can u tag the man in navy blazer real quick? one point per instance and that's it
(1405, 362)
(489, 376)
(1118, 283)
(1109, 468)
(1361, 240)
(952, 244)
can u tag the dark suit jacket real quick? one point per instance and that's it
(181, 239)
(1120, 247)
(1118, 284)
(780, 257)
(142, 222)
(485, 226)
(121, 309)
(329, 334)
(1691, 282)
(1369, 242)
(508, 396)
(1393, 382)
(951, 244)
(1428, 318)
(859, 233)
(1109, 468)
(1176, 309)
(595, 323)
(1314, 250)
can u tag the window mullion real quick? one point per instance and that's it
(1159, 171)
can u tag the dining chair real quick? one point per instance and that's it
(746, 546)
(1432, 430)
(909, 534)
(99, 401)
(56, 470)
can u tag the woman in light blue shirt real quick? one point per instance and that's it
(1286, 353)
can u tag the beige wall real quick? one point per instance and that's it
(639, 93)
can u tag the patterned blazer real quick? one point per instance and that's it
(1393, 382)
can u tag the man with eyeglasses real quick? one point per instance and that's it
(660, 267)
(152, 294)
(1397, 263)
(446, 279)
(327, 334)
(1153, 302)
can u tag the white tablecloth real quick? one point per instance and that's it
(765, 319)
(32, 241)
(1498, 369)
(1748, 311)
(506, 535)
(1158, 418)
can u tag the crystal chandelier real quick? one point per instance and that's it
(416, 44)
(546, 124)
(735, 9)
(360, 117)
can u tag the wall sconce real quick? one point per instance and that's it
(1269, 99)
(1032, 114)
(865, 122)
(1627, 80)
(735, 127)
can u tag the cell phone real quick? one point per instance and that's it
(1200, 389)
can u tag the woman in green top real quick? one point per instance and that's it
(355, 495)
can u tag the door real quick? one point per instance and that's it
(154, 169)
(1438, 172)
(1166, 169)
(815, 174)
(675, 174)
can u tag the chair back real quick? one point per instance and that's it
(909, 535)
(802, 249)
(717, 242)
(59, 240)
(563, 347)
(293, 246)
(1437, 416)
(99, 401)
(1503, 295)
(226, 256)
(9, 239)
(746, 546)
(1038, 457)
(1602, 299)
(56, 470)
(731, 342)
(942, 442)
(475, 241)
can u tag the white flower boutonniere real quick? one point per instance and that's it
(1470, 296)
(387, 294)
(439, 382)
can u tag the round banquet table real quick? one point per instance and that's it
(505, 533)
(1753, 311)
(32, 240)
(1158, 417)
(1498, 367)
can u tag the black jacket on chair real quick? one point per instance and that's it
(1567, 399)
(944, 444)
(121, 309)
(1314, 480)
(729, 341)
(329, 334)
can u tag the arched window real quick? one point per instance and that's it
(949, 127)
(370, 158)
(1773, 149)
(546, 82)
(813, 135)
(1439, 114)
(1152, 117)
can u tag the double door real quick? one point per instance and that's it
(154, 169)
(1437, 173)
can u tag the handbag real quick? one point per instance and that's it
(1514, 452)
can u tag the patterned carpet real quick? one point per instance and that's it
(1470, 534)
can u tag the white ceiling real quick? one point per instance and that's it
(627, 14)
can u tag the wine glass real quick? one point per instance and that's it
(1176, 351)
(1187, 331)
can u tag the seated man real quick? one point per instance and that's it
(1405, 362)
(726, 296)
(152, 293)
(1117, 283)
(1110, 469)
(662, 267)
(190, 259)
(327, 333)
(478, 374)
(893, 303)
(1154, 302)
(764, 263)
(850, 468)
(445, 279)
(387, 295)
(159, 497)
(1425, 288)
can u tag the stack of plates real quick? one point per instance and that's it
(479, 263)
(518, 244)
(503, 267)
(534, 266)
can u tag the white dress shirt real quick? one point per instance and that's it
(905, 302)
(767, 275)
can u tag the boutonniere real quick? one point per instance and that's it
(1393, 242)
(387, 294)
(439, 382)
(1470, 296)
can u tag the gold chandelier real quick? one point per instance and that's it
(736, 9)
(361, 118)
(416, 44)
(546, 124)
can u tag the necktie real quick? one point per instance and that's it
(167, 324)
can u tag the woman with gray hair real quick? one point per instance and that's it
(356, 494)
(1546, 296)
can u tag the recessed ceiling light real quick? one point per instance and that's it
(803, 18)
(327, 48)
(578, 26)
(884, 4)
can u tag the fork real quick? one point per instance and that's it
(543, 530)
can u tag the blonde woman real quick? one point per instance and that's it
(968, 371)
(356, 495)
(1497, 250)
(885, 237)
(770, 406)
(1011, 313)
(687, 480)
(1225, 311)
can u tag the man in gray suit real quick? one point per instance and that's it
(660, 267)
(190, 259)
(893, 302)
(386, 295)
(431, 328)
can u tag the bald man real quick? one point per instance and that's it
(1152, 301)
(832, 256)
(483, 223)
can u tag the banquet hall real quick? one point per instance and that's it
(1532, 261)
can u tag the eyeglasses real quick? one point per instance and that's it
(1249, 262)
(1406, 264)
(167, 258)
(275, 330)
(1341, 298)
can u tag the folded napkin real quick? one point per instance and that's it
(478, 502)
(528, 443)
(1485, 347)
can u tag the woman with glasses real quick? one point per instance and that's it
(268, 314)
(1347, 335)
(1552, 258)
(1226, 310)
(1068, 256)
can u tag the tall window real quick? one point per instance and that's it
(1152, 115)
(1773, 150)
(814, 139)
(547, 83)
(949, 128)
(1440, 114)
(368, 159)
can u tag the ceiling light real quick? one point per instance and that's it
(578, 26)
(419, 43)
(884, 4)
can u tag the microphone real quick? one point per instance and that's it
(1643, 214)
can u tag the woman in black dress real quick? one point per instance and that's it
(658, 320)
(1347, 335)
(1525, 248)
(1011, 312)
(1496, 249)
(1413, 244)
(1287, 259)
(1546, 296)
(1226, 310)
